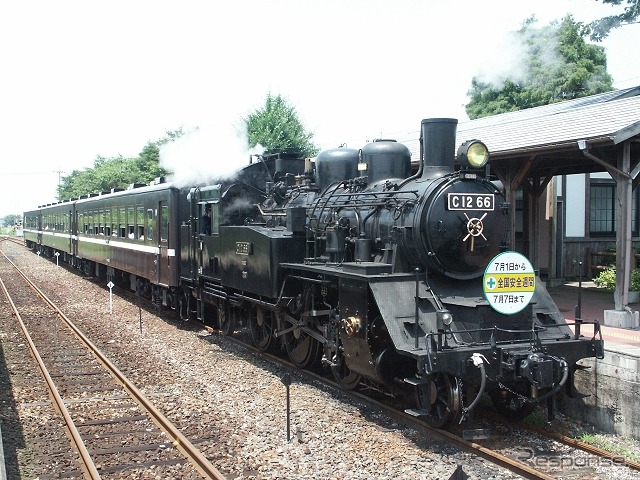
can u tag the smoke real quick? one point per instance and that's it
(207, 154)
(512, 56)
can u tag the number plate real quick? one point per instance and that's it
(244, 248)
(471, 201)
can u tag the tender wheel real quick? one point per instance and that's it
(441, 398)
(261, 324)
(303, 349)
(343, 375)
(511, 406)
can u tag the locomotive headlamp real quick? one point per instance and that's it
(473, 154)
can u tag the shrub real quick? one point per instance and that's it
(607, 279)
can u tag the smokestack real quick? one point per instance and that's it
(438, 144)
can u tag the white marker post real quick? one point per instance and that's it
(110, 285)
(57, 254)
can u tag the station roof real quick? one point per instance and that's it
(550, 133)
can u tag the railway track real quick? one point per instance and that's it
(112, 426)
(410, 421)
(547, 465)
(482, 448)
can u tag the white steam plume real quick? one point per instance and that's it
(510, 56)
(207, 154)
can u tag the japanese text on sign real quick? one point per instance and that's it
(509, 267)
(509, 282)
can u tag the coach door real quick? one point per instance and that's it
(163, 244)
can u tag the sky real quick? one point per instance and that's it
(81, 79)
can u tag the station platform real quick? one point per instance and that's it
(594, 301)
(613, 382)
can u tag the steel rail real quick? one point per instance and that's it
(494, 457)
(179, 441)
(569, 441)
(88, 464)
(579, 444)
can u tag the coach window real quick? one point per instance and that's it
(97, 217)
(131, 222)
(122, 217)
(164, 223)
(150, 224)
(140, 223)
(114, 222)
(107, 222)
(103, 222)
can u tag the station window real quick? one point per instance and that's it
(602, 209)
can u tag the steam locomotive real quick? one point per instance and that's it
(356, 264)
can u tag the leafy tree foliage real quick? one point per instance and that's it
(10, 220)
(277, 128)
(600, 29)
(558, 64)
(116, 172)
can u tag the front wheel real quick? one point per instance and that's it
(343, 374)
(441, 400)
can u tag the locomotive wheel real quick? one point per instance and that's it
(343, 374)
(225, 321)
(441, 398)
(302, 348)
(511, 406)
(261, 325)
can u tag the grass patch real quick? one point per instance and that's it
(616, 448)
(537, 419)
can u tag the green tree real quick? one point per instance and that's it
(117, 172)
(277, 128)
(10, 220)
(558, 65)
(599, 29)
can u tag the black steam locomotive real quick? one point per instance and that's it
(357, 264)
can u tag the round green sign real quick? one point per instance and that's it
(509, 282)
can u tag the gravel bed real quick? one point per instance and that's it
(232, 404)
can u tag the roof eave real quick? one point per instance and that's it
(537, 149)
(626, 133)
